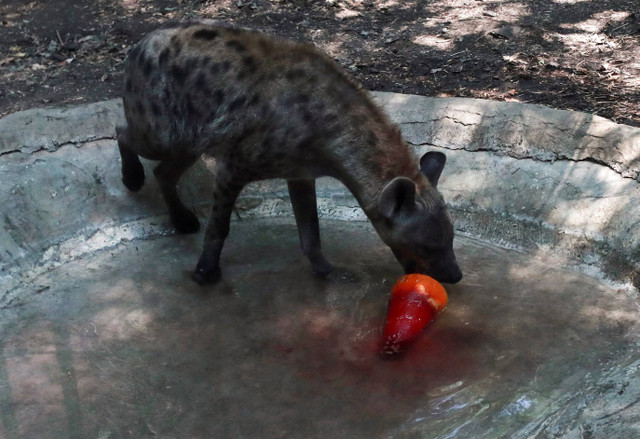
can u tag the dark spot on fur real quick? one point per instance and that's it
(255, 99)
(140, 108)
(215, 69)
(236, 45)
(191, 64)
(155, 109)
(330, 118)
(266, 144)
(304, 141)
(147, 67)
(176, 46)
(201, 84)
(205, 34)
(371, 138)
(175, 112)
(192, 111)
(246, 134)
(135, 53)
(306, 115)
(294, 74)
(264, 45)
(225, 66)
(302, 99)
(179, 75)
(237, 103)
(204, 62)
(236, 186)
(265, 110)
(129, 85)
(163, 57)
(218, 96)
(140, 58)
(249, 67)
(293, 138)
(249, 63)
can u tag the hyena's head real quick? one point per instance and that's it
(416, 223)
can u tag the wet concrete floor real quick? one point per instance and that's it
(123, 344)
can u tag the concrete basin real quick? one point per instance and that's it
(103, 334)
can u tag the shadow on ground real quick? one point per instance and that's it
(121, 343)
(564, 54)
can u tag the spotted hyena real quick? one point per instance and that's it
(267, 107)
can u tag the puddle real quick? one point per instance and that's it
(121, 343)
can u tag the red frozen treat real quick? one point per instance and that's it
(416, 300)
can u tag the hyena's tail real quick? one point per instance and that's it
(132, 170)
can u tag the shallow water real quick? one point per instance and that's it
(122, 343)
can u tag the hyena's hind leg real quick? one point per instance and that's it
(168, 172)
(132, 170)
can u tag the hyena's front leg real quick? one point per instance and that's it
(305, 210)
(226, 190)
(168, 172)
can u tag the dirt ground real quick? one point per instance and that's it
(569, 54)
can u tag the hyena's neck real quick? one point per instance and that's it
(373, 159)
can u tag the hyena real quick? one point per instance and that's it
(265, 108)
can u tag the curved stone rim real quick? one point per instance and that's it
(518, 175)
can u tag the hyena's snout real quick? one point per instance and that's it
(447, 269)
(442, 266)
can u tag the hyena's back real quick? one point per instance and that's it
(232, 92)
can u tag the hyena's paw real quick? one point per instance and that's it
(185, 222)
(343, 276)
(203, 277)
(133, 176)
(320, 266)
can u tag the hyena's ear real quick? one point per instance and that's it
(398, 196)
(431, 165)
